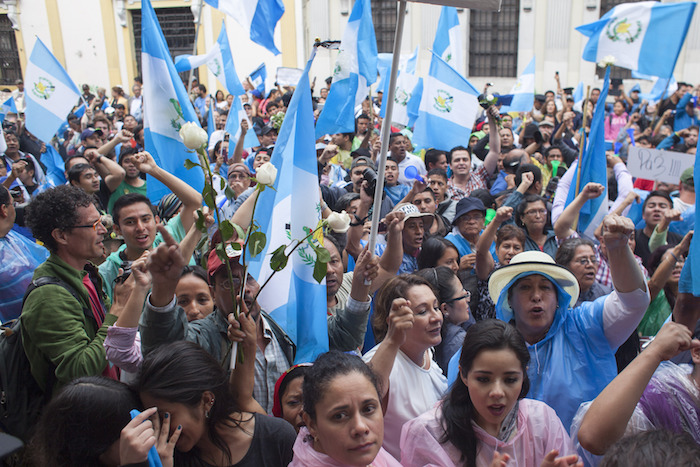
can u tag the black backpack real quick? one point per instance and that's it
(21, 397)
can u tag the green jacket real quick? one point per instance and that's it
(55, 330)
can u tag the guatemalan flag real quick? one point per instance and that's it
(448, 39)
(407, 94)
(258, 78)
(523, 91)
(447, 109)
(258, 17)
(166, 108)
(219, 61)
(355, 70)
(643, 36)
(49, 95)
(233, 127)
(663, 88)
(7, 107)
(293, 297)
(593, 169)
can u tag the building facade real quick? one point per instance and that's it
(98, 41)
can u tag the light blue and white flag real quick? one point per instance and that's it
(407, 63)
(406, 95)
(219, 61)
(166, 108)
(258, 17)
(80, 111)
(663, 88)
(448, 39)
(55, 166)
(642, 36)
(7, 107)
(211, 125)
(258, 78)
(49, 93)
(593, 169)
(447, 109)
(233, 127)
(355, 70)
(523, 91)
(293, 297)
(578, 93)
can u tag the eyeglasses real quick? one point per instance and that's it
(93, 225)
(235, 176)
(467, 295)
(584, 261)
(227, 284)
(536, 212)
(475, 218)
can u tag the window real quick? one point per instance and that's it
(10, 69)
(384, 17)
(493, 41)
(615, 72)
(178, 28)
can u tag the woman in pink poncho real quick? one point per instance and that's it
(484, 420)
(343, 416)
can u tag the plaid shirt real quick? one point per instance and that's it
(603, 275)
(269, 365)
(478, 179)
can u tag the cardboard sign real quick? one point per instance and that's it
(658, 165)
(288, 76)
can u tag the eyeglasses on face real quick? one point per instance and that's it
(536, 212)
(467, 295)
(584, 261)
(93, 225)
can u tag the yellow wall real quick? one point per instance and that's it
(55, 31)
(288, 29)
(110, 32)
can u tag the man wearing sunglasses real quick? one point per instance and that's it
(64, 323)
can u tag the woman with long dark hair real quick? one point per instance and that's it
(485, 416)
(190, 387)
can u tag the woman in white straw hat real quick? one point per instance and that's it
(572, 349)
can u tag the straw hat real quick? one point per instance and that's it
(533, 261)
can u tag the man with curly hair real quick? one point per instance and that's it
(63, 328)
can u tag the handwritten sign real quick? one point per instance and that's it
(658, 165)
(288, 76)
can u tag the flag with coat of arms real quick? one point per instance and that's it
(643, 36)
(447, 110)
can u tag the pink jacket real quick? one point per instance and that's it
(613, 125)
(306, 456)
(539, 431)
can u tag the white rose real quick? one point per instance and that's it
(607, 60)
(266, 174)
(193, 136)
(339, 222)
(490, 98)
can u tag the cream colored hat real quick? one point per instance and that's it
(534, 262)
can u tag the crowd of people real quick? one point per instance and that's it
(484, 330)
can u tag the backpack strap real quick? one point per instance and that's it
(288, 346)
(50, 280)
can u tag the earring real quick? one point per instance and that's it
(206, 414)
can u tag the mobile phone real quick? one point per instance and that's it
(225, 153)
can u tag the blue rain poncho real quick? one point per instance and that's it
(574, 362)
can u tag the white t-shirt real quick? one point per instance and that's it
(412, 391)
(416, 162)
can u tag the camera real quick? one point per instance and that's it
(371, 177)
(125, 266)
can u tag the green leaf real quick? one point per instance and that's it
(322, 254)
(189, 164)
(226, 230)
(279, 259)
(222, 183)
(201, 225)
(238, 230)
(229, 192)
(209, 197)
(256, 243)
(221, 252)
(236, 246)
(320, 271)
